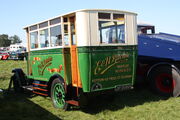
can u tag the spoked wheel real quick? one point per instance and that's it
(165, 80)
(58, 94)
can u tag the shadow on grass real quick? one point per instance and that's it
(19, 107)
(120, 100)
(14, 106)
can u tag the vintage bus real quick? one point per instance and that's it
(81, 52)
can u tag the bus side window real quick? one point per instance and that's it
(34, 40)
(44, 41)
(73, 30)
(66, 36)
(56, 36)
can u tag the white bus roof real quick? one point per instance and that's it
(83, 10)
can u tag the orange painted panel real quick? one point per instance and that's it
(74, 67)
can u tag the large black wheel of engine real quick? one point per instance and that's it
(165, 81)
(58, 94)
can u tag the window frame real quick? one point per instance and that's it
(30, 39)
(49, 34)
(59, 24)
(112, 20)
(47, 28)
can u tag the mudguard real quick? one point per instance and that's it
(18, 79)
(21, 76)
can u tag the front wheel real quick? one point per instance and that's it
(165, 80)
(58, 94)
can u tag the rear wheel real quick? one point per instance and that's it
(165, 80)
(58, 94)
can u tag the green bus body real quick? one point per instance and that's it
(107, 67)
(42, 63)
(82, 52)
(100, 68)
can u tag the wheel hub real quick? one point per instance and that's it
(165, 82)
(59, 95)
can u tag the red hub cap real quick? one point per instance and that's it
(165, 82)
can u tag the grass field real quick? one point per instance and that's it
(138, 104)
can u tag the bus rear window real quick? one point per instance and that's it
(112, 32)
(118, 16)
(34, 40)
(104, 15)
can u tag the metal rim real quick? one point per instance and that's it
(165, 82)
(59, 95)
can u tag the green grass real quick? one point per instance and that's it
(138, 104)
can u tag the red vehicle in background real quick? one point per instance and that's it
(4, 55)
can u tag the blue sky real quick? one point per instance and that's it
(15, 14)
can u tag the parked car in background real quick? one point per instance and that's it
(4, 55)
(17, 55)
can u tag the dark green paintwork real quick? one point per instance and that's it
(107, 67)
(46, 63)
(100, 67)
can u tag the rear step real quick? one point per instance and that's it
(73, 102)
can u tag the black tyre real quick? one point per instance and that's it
(83, 99)
(58, 94)
(165, 81)
(16, 83)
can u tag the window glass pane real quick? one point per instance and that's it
(44, 41)
(55, 21)
(66, 29)
(104, 15)
(66, 36)
(149, 31)
(111, 32)
(121, 32)
(56, 36)
(45, 24)
(65, 19)
(73, 30)
(118, 17)
(33, 27)
(34, 40)
(73, 34)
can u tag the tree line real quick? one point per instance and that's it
(6, 40)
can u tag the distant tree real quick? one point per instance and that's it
(15, 39)
(4, 40)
